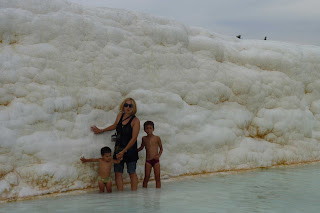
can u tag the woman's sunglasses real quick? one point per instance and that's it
(128, 105)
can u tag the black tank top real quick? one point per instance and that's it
(124, 135)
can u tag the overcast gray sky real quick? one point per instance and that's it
(294, 21)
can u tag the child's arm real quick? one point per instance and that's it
(84, 160)
(116, 161)
(160, 146)
(142, 145)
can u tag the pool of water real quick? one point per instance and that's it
(286, 189)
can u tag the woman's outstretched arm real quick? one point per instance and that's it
(96, 130)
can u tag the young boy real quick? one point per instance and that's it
(105, 163)
(152, 144)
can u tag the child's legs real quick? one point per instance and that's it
(147, 171)
(109, 186)
(156, 169)
(101, 186)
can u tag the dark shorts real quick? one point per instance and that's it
(131, 167)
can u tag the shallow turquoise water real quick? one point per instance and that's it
(287, 189)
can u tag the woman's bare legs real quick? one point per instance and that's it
(119, 181)
(134, 181)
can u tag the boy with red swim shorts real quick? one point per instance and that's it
(152, 143)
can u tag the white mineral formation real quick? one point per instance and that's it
(218, 103)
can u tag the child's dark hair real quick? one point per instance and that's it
(148, 123)
(105, 150)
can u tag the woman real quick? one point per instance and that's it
(128, 127)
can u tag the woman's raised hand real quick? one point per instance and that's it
(96, 130)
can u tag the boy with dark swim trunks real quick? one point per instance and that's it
(152, 144)
(105, 164)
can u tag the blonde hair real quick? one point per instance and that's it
(134, 109)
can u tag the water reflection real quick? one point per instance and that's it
(151, 200)
(289, 189)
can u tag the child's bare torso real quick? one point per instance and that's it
(152, 146)
(104, 168)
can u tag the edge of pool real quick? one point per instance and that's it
(167, 179)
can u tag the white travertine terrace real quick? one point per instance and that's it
(218, 103)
